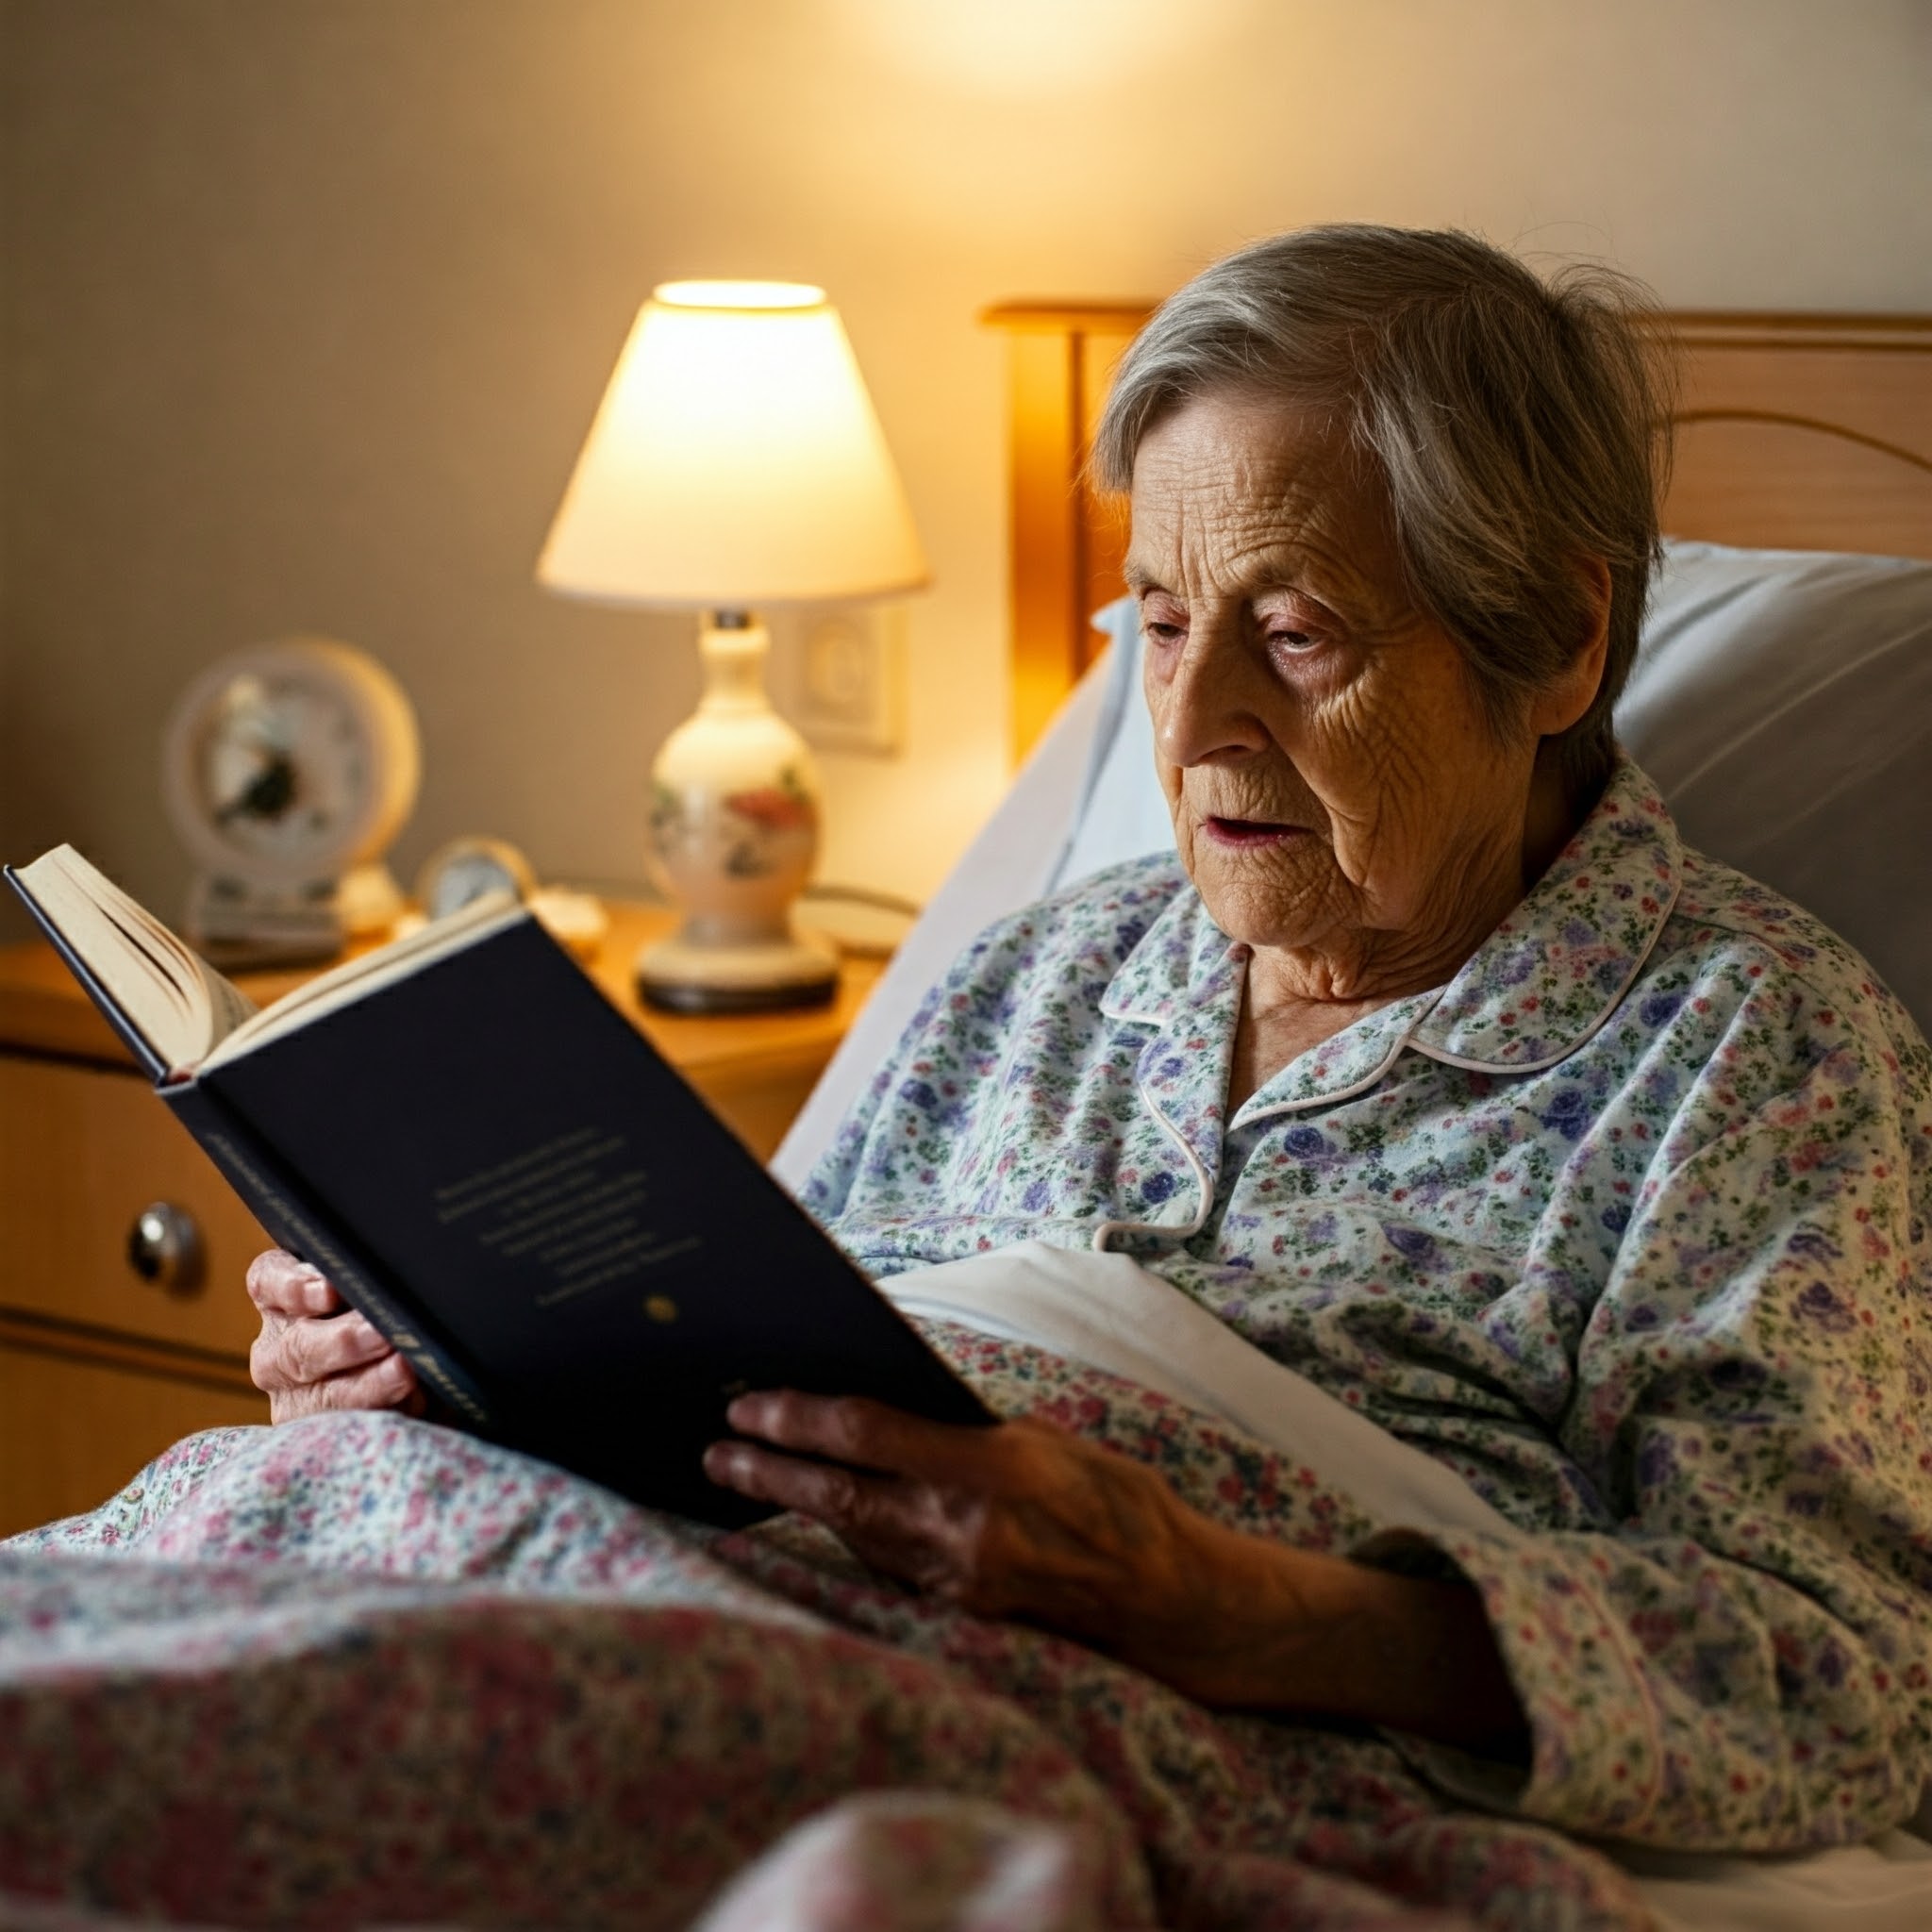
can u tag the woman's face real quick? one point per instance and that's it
(1336, 790)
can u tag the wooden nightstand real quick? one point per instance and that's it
(100, 1369)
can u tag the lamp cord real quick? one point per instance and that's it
(857, 895)
(865, 896)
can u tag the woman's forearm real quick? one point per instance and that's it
(1285, 1630)
(1028, 1520)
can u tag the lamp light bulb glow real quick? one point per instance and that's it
(754, 295)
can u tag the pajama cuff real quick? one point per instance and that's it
(1597, 1757)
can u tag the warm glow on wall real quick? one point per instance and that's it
(1025, 48)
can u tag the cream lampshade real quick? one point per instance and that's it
(734, 462)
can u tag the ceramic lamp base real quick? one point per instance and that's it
(685, 975)
(734, 825)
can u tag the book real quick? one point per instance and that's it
(494, 1166)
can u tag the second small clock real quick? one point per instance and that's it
(462, 871)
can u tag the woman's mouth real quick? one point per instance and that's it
(1247, 834)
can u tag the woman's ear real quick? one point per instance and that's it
(1559, 705)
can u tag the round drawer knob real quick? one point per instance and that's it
(164, 1247)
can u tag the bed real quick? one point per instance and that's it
(366, 1672)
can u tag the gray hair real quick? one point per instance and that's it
(1519, 426)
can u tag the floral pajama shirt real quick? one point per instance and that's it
(1627, 1225)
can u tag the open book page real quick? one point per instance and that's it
(176, 1001)
(354, 980)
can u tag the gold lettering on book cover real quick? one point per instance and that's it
(572, 1208)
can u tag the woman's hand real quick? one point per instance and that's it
(1022, 1520)
(312, 1353)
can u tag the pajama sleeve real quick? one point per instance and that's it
(1742, 1662)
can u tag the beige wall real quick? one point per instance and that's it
(307, 302)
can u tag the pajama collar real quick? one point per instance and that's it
(1533, 992)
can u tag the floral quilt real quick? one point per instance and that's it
(364, 1669)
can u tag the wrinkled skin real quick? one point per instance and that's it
(1351, 815)
(1338, 796)
(1026, 1521)
(313, 1354)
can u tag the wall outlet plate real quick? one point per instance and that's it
(838, 672)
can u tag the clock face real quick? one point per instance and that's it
(288, 764)
(282, 767)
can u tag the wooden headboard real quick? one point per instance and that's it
(1810, 432)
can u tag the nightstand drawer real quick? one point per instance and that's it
(78, 1429)
(82, 1153)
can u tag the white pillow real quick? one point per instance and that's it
(1782, 699)
(1122, 812)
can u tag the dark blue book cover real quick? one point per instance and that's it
(498, 1169)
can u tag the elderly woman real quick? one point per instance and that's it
(1434, 1064)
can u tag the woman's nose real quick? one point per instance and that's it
(1204, 708)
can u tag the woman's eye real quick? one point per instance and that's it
(1158, 631)
(1292, 626)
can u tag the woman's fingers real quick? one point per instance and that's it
(827, 1490)
(870, 1435)
(917, 1531)
(312, 1354)
(1021, 1519)
(309, 1349)
(388, 1384)
(849, 1499)
(279, 1284)
(911, 1497)
(317, 1348)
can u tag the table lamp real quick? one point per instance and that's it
(735, 462)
